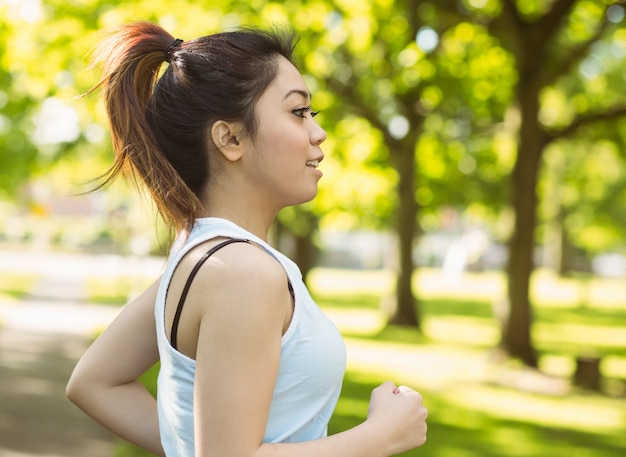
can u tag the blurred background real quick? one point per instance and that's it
(468, 237)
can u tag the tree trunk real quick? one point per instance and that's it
(587, 374)
(304, 253)
(296, 242)
(405, 312)
(566, 260)
(516, 334)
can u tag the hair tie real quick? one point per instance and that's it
(171, 48)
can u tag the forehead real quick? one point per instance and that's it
(288, 82)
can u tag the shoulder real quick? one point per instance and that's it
(245, 260)
(236, 270)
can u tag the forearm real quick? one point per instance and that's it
(104, 383)
(127, 410)
(396, 423)
(360, 441)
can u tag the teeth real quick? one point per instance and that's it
(313, 163)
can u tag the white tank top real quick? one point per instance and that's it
(312, 360)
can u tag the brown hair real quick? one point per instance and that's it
(160, 125)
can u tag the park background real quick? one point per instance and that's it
(468, 234)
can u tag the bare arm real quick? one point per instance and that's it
(237, 359)
(105, 383)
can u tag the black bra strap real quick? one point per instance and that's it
(179, 308)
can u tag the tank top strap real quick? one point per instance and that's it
(194, 271)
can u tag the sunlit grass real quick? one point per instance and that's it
(578, 412)
(479, 407)
(588, 339)
(339, 282)
(115, 290)
(614, 366)
(550, 289)
(475, 420)
(547, 288)
(465, 330)
(462, 310)
(15, 286)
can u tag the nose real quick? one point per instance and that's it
(317, 135)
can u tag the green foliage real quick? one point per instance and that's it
(462, 86)
(437, 82)
(584, 177)
(583, 187)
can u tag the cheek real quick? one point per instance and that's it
(280, 146)
(267, 148)
(281, 141)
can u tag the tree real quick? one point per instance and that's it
(420, 95)
(548, 40)
(382, 73)
(17, 154)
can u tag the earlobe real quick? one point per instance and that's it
(223, 135)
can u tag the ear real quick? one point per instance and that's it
(224, 136)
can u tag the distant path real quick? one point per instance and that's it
(35, 417)
(41, 339)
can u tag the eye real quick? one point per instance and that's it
(301, 112)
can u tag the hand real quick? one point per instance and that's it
(399, 416)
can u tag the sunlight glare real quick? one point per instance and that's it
(56, 123)
(427, 39)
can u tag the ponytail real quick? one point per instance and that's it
(131, 59)
(160, 125)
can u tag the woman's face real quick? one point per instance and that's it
(286, 148)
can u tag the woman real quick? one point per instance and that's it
(250, 366)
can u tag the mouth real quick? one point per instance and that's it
(313, 163)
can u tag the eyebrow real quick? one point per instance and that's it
(303, 93)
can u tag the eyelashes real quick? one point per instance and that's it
(301, 112)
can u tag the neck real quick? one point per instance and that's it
(251, 214)
(233, 194)
(250, 224)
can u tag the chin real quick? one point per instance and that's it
(312, 195)
(305, 198)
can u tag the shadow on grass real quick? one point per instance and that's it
(585, 315)
(567, 330)
(350, 301)
(14, 293)
(455, 431)
(451, 307)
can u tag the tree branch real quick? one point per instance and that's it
(574, 56)
(549, 23)
(510, 8)
(349, 94)
(611, 113)
(413, 18)
(507, 27)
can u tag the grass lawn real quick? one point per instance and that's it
(14, 286)
(115, 290)
(480, 408)
(477, 406)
